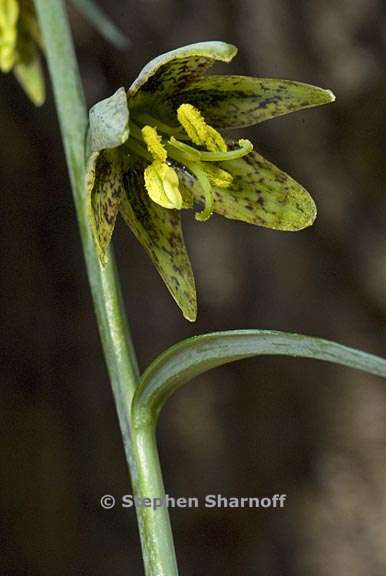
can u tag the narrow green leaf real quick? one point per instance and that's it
(194, 356)
(102, 23)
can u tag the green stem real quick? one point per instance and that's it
(188, 359)
(141, 454)
(154, 524)
(118, 349)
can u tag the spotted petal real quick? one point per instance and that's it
(260, 194)
(170, 72)
(238, 101)
(104, 188)
(160, 233)
(29, 73)
(28, 69)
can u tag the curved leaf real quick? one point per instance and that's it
(196, 355)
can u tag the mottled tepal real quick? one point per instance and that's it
(158, 149)
(19, 46)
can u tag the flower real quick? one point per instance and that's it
(19, 42)
(157, 149)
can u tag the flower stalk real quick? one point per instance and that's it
(141, 452)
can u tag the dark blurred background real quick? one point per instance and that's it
(313, 431)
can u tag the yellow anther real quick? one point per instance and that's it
(161, 183)
(9, 15)
(214, 141)
(154, 144)
(217, 176)
(199, 132)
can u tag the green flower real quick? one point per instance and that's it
(157, 149)
(19, 42)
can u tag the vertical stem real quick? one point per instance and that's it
(154, 522)
(140, 449)
(71, 108)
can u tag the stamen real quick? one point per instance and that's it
(199, 132)
(162, 183)
(135, 131)
(217, 176)
(145, 118)
(137, 149)
(153, 142)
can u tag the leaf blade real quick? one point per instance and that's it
(194, 356)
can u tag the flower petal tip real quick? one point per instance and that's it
(190, 315)
(330, 96)
(226, 51)
(324, 96)
(310, 213)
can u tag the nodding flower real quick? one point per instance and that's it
(159, 148)
(20, 41)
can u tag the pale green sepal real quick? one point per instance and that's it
(160, 233)
(104, 189)
(30, 75)
(170, 72)
(109, 122)
(102, 23)
(239, 101)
